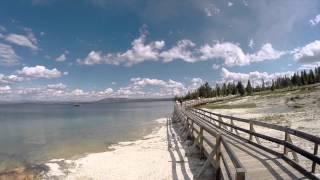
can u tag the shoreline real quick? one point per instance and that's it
(159, 155)
(40, 170)
(162, 154)
(62, 168)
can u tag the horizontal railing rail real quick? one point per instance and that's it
(287, 143)
(200, 101)
(217, 155)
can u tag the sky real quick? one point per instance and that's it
(86, 50)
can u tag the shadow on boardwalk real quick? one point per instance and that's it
(184, 167)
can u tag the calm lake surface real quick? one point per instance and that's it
(36, 133)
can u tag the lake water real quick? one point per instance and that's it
(36, 133)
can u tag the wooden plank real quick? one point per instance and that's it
(315, 152)
(231, 154)
(205, 121)
(207, 163)
(226, 166)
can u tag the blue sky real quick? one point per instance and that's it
(92, 49)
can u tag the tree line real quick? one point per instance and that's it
(297, 79)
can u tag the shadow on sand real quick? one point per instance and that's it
(180, 162)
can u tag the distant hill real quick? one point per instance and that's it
(105, 100)
(111, 100)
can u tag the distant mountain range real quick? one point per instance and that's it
(105, 100)
(111, 100)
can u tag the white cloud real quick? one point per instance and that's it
(59, 86)
(309, 53)
(107, 91)
(181, 51)
(255, 77)
(39, 72)
(78, 92)
(5, 89)
(233, 55)
(195, 83)
(10, 79)
(315, 20)
(230, 4)
(137, 88)
(21, 40)
(208, 12)
(211, 10)
(31, 36)
(139, 52)
(215, 66)
(185, 50)
(93, 58)
(61, 58)
(309, 66)
(266, 53)
(148, 87)
(251, 43)
(8, 56)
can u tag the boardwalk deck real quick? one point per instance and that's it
(257, 163)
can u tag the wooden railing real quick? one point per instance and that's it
(200, 101)
(219, 150)
(228, 125)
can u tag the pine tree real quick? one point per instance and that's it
(304, 78)
(234, 89)
(240, 88)
(311, 77)
(273, 86)
(218, 90)
(249, 88)
(224, 89)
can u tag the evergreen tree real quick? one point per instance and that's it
(311, 77)
(249, 88)
(304, 78)
(240, 88)
(234, 89)
(218, 90)
(297, 79)
(224, 89)
(272, 86)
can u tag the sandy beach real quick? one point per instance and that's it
(160, 155)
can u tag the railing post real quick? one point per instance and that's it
(240, 174)
(218, 156)
(286, 138)
(201, 142)
(315, 152)
(220, 119)
(191, 128)
(231, 122)
(251, 131)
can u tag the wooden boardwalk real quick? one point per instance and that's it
(235, 156)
